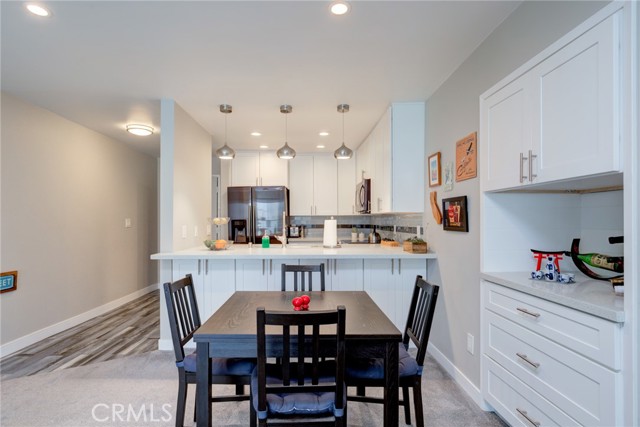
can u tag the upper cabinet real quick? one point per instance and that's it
(557, 117)
(393, 157)
(259, 169)
(314, 181)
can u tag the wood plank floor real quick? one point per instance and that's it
(133, 328)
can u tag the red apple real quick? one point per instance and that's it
(297, 302)
(305, 299)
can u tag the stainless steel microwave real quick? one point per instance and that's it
(363, 196)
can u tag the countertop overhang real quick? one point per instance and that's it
(368, 251)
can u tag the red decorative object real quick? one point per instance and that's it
(301, 303)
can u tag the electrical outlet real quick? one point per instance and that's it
(195, 231)
(208, 229)
(184, 231)
(470, 346)
(127, 223)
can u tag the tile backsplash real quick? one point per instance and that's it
(406, 225)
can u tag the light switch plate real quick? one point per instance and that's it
(184, 231)
(127, 223)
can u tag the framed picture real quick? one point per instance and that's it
(466, 159)
(454, 214)
(8, 281)
(434, 170)
(448, 176)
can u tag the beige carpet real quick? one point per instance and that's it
(141, 391)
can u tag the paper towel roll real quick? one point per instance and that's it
(330, 238)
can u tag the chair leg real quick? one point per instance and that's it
(182, 399)
(360, 390)
(239, 389)
(407, 405)
(417, 402)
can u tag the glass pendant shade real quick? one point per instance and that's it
(285, 152)
(344, 152)
(225, 152)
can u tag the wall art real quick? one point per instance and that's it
(434, 170)
(454, 214)
(466, 157)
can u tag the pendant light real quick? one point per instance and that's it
(225, 152)
(285, 152)
(344, 152)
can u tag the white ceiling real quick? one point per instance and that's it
(107, 63)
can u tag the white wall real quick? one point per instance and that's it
(185, 189)
(452, 113)
(66, 191)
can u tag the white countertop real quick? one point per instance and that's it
(595, 297)
(300, 251)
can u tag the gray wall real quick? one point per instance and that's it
(452, 113)
(66, 191)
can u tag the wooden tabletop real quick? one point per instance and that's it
(235, 321)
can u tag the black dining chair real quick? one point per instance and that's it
(301, 388)
(363, 373)
(184, 320)
(304, 275)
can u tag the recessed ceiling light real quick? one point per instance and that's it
(38, 10)
(340, 7)
(264, 146)
(140, 130)
(323, 133)
(320, 146)
(256, 134)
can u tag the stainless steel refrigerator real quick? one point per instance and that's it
(252, 210)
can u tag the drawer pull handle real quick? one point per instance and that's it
(525, 311)
(527, 417)
(526, 359)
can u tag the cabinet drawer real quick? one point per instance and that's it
(517, 403)
(593, 337)
(579, 387)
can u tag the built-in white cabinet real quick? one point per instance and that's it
(393, 157)
(558, 116)
(253, 168)
(347, 186)
(213, 280)
(313, 185)
(260, 274)
(547, 363)
(340, 274)
(389, 282)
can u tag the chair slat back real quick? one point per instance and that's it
(423, 305)
(182, 308)
(302, 274)
(300, 348)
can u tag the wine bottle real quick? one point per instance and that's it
(612, 263)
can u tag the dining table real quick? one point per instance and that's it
(231, 332)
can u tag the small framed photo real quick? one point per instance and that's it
(434, 170)
(454, 214)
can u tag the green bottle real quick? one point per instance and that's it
(612, 263)
(265, 240)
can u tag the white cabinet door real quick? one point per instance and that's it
(245, 169)
(505, 132)
(379, 283)
(252, 275)
(273, 170)
(301, 187)
(219, 285)
(325, 185)
(346, 186)
(346, 274)
(381, 180)
(408, 269)
(182, 267)
(575, 129)
(274, 269)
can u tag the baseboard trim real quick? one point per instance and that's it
(457, 375)
(32, 338)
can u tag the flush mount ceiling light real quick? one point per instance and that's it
(323, 133)
(340, 7)
(285, 152)
(140, 130)
(256, 134)
(225, 152)
(344, 152)
(36, 9)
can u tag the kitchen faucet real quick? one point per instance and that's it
(283, 239)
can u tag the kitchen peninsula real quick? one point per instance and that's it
(387, 274)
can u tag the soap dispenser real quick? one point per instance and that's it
(265, 239)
